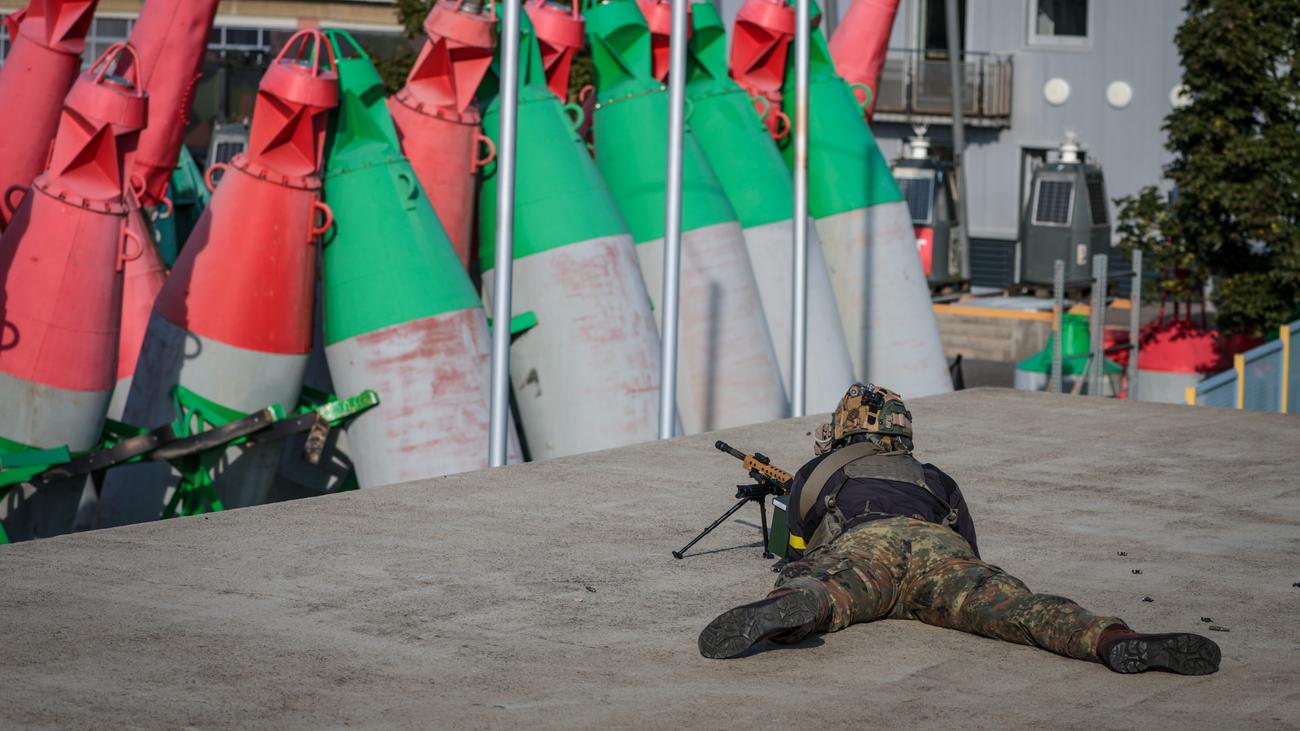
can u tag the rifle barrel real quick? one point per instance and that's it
(722, 446)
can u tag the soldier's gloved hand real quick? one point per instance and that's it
(822, 436)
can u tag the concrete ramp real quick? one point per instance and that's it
(544, 595)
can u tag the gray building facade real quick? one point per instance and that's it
(1106, 70)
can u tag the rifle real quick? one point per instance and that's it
(768, 480)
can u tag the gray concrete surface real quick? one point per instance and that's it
(544, 595)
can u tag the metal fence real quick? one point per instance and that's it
(916, 86)
(1261, 379)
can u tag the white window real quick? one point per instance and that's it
(104, 32)
(1058, 22)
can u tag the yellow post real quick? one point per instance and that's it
(1239, 364)
(1284, 333)
(1189, 395)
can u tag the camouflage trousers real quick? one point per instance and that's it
(902, 568)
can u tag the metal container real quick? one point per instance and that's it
(1066, 218)
(927, 186)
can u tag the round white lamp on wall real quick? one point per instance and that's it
(1178, 96)
(1119, 94)
(1056, 91)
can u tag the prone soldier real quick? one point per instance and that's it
(875, 534)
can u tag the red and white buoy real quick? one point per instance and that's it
(233, 322)
(170, 38)
(437, 118)
(142, 280)
(48, 38)
(61, 261)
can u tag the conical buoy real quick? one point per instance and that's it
(61, 262)
(859, 44)
(761, 38)
(401, 315)
(727, 371)
(758, 183)
(866, 235)
(560, 36)
(1177, 354)
(48, 38)
(170, 38)
(586, 376)
(142, 280)
(233, 322)
(437, 118)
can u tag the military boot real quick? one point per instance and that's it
(786, 615)
(1126, 651)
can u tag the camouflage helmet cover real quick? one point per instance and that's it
(870, 409)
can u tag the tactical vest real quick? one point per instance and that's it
(860, 461)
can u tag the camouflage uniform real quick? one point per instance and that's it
(904, 568)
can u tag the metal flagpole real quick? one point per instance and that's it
(1134, 327)
(499, 417)
(1056, 381)
(799, 316)
(1097, 361)
(958, 132)
(673, 221)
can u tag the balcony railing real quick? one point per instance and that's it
(916, 86)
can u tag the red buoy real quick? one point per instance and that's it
(859, 44)
(233, 322)
(437, 118)
(142, 280)
(48, 38)
(560, 36)
(760, 43)
(170, 38)
(61, 263)
(1178, 354)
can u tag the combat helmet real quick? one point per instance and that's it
(869, 410)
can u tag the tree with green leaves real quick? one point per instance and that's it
(1233, 218)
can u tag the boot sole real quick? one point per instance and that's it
(1185, 654)
(736, 630)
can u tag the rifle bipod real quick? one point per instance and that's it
(744, 493)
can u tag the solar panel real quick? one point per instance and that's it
(919, 193)
(226, 151)
(1054, 201)
(1097, 199)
